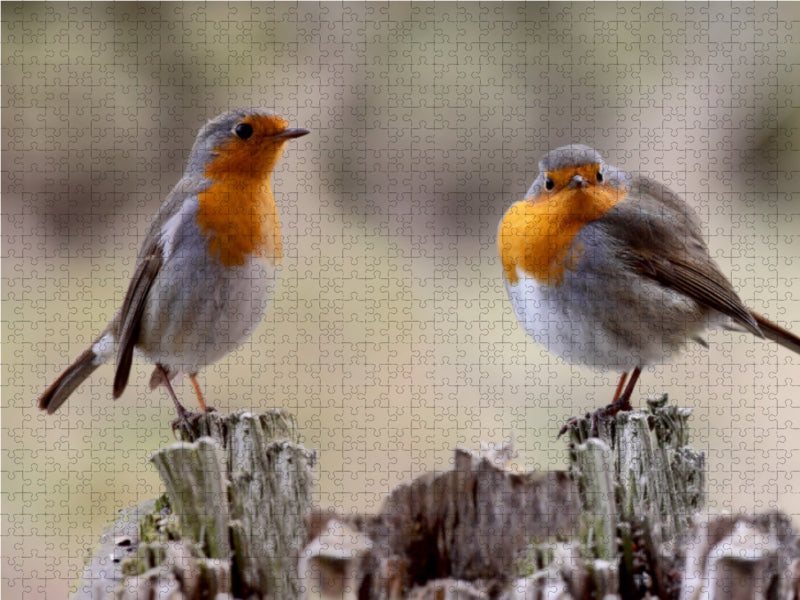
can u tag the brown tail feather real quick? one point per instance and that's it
(74, 375)
(777, 333)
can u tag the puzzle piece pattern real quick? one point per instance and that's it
(390, 336)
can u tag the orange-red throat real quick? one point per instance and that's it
(238, 210)
(537, 234)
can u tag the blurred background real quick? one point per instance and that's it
(390, 337)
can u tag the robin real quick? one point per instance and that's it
(609, 270)
(206, 269)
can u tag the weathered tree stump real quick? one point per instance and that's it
(236, 522)
(640, 486)
(239, 495)
(474, 523)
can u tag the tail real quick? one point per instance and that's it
(776, 333)
(75, 374)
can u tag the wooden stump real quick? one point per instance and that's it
(238, 492)
(640, 486)
(473, 523)
(236, 522)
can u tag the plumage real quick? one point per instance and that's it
(611, 270)
(205, 272)
(130, 315)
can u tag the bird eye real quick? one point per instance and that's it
(599, 177)
(243, 130)
(549, 184)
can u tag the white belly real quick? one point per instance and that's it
(199, 310)
(195, 325)
(597, 325)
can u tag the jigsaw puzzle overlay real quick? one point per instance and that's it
(390, 335)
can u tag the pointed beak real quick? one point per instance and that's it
(292, 132)
(578, 182)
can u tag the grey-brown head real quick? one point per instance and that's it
(575, 157)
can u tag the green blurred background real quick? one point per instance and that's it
(390, 337)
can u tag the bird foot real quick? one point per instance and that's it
(186, 422)
(622, 404)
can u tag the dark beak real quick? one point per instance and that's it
(292, 132)
(578, 181)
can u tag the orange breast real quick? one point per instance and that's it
(240, 217)
(537, 234)
(238, 211)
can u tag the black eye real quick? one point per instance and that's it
(243, 130)
(599, 177)
(549, 184)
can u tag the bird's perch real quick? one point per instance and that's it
(239, 493)
(237, 522)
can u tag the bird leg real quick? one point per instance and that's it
(619, 387)
(196, 385)
(183, 414)
(621, 402)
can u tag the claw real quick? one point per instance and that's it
(621, 402)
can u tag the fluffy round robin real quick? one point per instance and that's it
(609, 269)
(206, 269)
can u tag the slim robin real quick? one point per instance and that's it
(206, 270)
(610, 270)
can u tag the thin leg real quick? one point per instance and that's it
(196, 385)
(619, 387)
(624, 401)
(182, 413)
(621, 402)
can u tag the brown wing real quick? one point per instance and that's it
(700, 280)
(148, 264)
(663, 241)
(130, 316)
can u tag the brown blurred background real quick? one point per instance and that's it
(390, 338)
